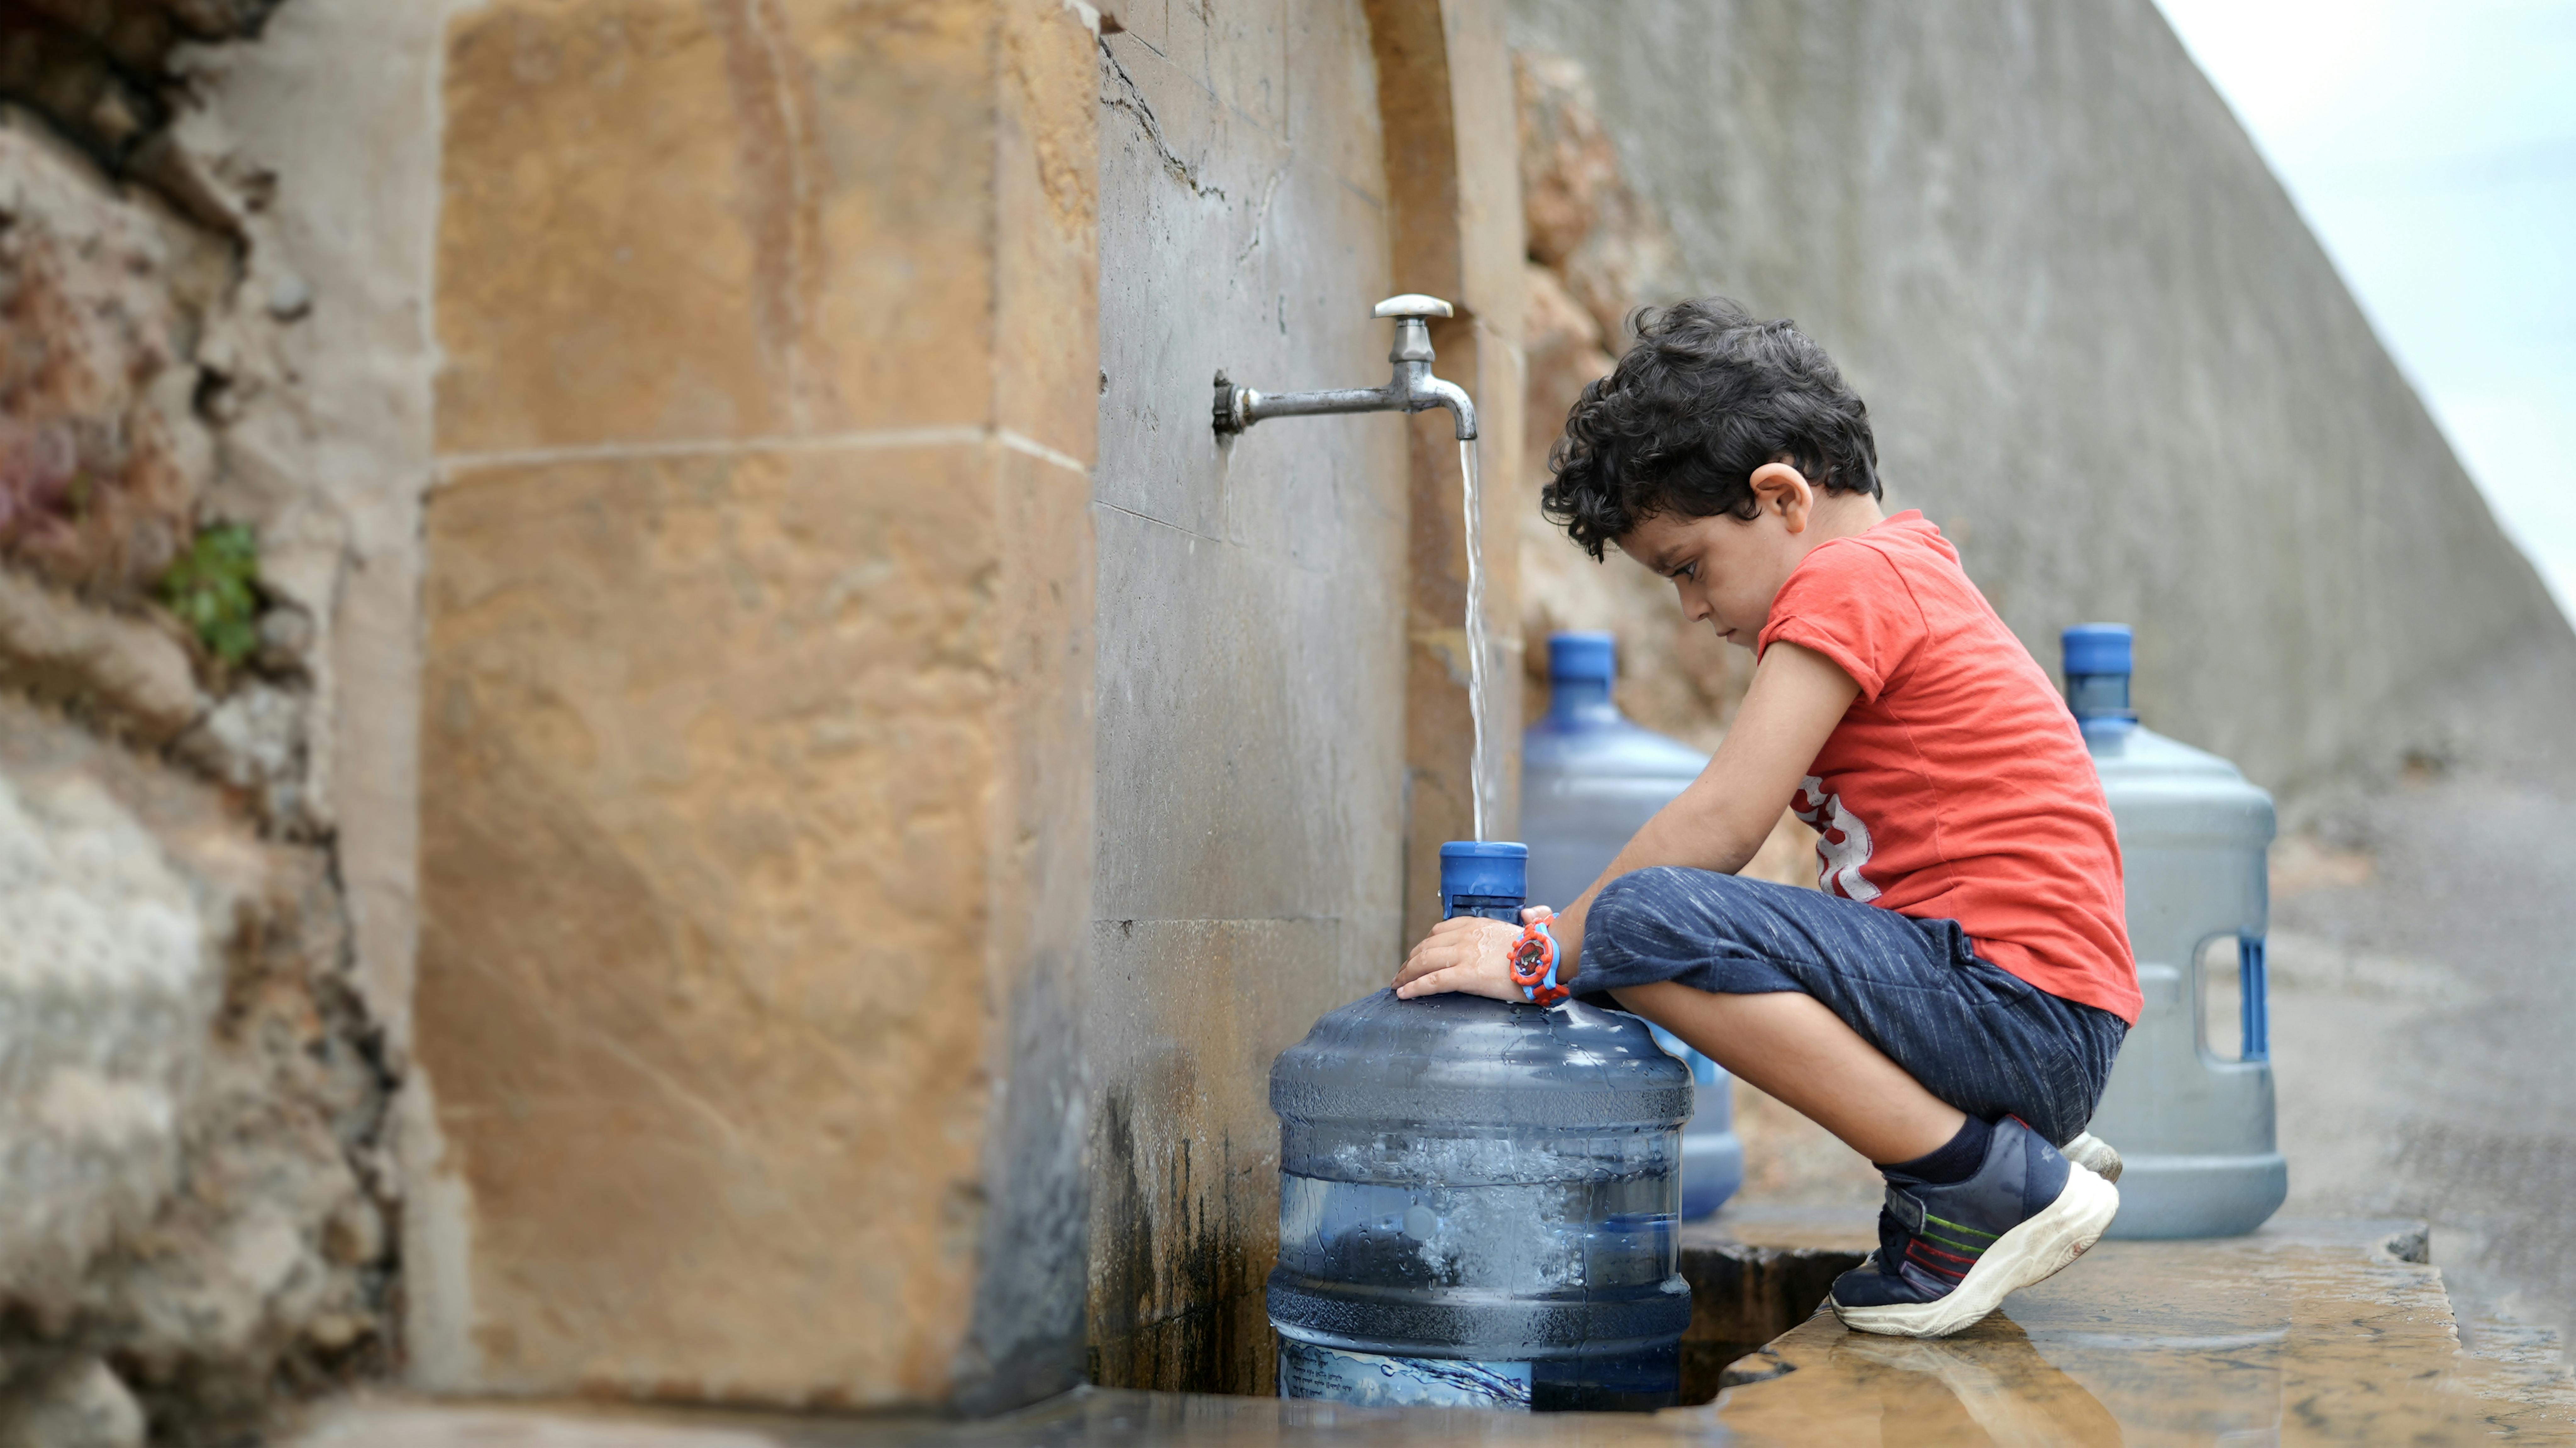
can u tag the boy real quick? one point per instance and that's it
(1951, 1003)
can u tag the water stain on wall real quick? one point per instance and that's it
(1176, 1301)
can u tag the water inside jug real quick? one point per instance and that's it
(1478, 1199)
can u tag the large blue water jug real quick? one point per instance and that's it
(2189, 1106)
(1589, 779)
(1478, 1200)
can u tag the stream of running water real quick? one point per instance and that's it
(1476, 784)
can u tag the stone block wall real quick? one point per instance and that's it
(602, 862)
(663, 742)
(740, 458)
(756, 703)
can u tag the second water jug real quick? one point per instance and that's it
(2189, 1106)
(1589, 780)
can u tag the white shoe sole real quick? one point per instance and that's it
(2088, 1150)
(2032, 1252)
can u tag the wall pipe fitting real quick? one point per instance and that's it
(1413, 388)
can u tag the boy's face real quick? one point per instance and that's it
(1727, 570)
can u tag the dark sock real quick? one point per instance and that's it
(1951, 1164)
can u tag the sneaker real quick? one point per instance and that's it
(1948, 1255)
(2094, 1155)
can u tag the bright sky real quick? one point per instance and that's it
(2431, 144)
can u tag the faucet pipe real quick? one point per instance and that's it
(1413, 388)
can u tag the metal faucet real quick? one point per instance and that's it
(1413, 388)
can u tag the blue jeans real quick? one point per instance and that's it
(1977, 1036)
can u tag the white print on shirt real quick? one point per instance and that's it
(1842, 841)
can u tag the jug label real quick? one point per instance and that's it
(1309, 1371)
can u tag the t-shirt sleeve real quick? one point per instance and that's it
(1847, 601)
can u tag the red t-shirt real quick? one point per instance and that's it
(1957, 786)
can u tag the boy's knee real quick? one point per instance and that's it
(1650, 882)
(1633, 899)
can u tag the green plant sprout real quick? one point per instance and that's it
(213, 588)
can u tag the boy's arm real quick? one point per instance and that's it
(1718, 823)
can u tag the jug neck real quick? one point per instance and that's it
(2098, 658)
(1484, 877)
(2100, 703)
(1580, 701)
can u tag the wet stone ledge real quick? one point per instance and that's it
(2306, 1332)
(1753, 1279)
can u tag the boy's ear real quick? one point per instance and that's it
(1780, 488)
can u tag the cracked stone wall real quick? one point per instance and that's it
(197, 1054)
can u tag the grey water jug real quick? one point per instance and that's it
(1589, 779)
(1478, 1200)
(2189, 1105)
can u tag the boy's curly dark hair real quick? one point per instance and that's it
(1705, 396)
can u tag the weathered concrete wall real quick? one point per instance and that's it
(756, 702)
(1275, 716)
(2101, 351)
(1251, 747)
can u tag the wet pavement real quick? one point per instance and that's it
(2314, 1332)
(2424, 998)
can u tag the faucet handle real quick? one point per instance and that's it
(1413, 304)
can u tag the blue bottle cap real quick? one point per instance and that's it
(2097, 648)
(1490, 868)
(1582, 656)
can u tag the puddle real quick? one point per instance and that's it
(1744, 1293)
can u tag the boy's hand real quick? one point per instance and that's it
(1467, 954)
